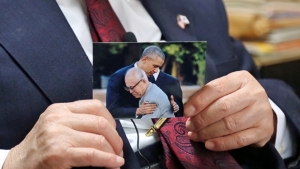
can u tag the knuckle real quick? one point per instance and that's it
(52, 118)
(200, 100)
(102, 123)
(224, 105)
(50, 130)
(230, 123)
(100, 140)
(110, 159)
(53, 106)
(246, 77)
(221, 144)
(218, 85)
(53, 113)
(96, 103)
(203, 135)
(242, 141)
(244, 73)
(200, 122)
(53, 156)
(91, 156)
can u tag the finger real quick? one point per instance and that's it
(150, 108)
(150, 105)
(97, 125)
(153, 107)
(94, 107)
(222, 107)
(148, 112)
(92, 157)
(171, 99)
(228, 125)
(236, 140)
(145, 104)
(174, 104)
(214, 90)
(89, 140)
(177, 108)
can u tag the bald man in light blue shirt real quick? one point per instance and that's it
(138, 85)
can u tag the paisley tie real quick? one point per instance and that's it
(180, 152)
(104, 23)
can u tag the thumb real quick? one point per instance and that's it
(172, 98)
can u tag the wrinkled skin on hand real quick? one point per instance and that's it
(66, 135)
(230, 112)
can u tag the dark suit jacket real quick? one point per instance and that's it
(122, 104)
(42, 62)
(171, 86)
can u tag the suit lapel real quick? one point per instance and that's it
(166, 19)
(206, 20)
(45, 47)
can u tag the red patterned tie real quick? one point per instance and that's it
(180, 152)
(104, 23)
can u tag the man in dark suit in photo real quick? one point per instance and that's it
(46, 68)
(122, 104)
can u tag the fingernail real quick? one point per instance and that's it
(209, 145)
(122, 154)
(189, 125)
(120, 160)
(192, 135)
(189, 110)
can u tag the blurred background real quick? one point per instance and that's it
(270, 30)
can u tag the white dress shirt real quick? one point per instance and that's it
(140, 22)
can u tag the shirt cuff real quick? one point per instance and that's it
(284, 136)
(3, 155)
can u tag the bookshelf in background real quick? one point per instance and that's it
(270, 30)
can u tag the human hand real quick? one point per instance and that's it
(230, 112)
(66, 135)
(174, 104)
(146, 108)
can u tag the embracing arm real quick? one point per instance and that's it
(114, 98)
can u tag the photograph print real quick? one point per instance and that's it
(147, 80)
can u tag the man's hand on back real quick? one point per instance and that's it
(174, 105)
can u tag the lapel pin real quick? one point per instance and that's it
(182, 21)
